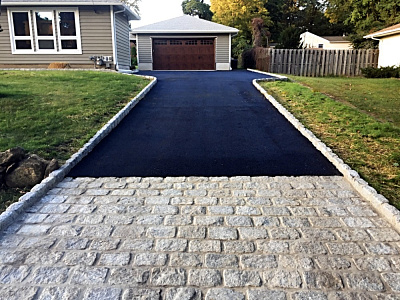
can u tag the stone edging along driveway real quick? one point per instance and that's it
(379, 202)
(39, 190)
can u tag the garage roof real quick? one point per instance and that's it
(185, 24)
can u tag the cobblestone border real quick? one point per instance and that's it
(39, 190)
(378, 201)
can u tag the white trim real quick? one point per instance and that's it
(230, 51)
(44, 38)
(183, 36)
(77, 37)
(223, 66)
(151, 50)
(13, 38)
(137, 50)
(383, 33)
(182, 31)
(56, 31)
(113, 33)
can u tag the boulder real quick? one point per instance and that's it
(10, 157)
(53, 165)
(28, 173)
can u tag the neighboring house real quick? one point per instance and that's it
(184, 43)
(39, 32)
(389, 45)
(310, 40)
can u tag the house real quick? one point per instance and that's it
(310, 40)
(37, 33)
(184, 43)
(389, 45)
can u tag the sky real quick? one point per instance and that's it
(153, 11)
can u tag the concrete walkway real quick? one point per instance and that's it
(201, 238)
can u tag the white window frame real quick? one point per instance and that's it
(47, 38)
(77, 37)
(56, 31)
(14, 38)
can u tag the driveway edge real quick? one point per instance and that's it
(39, 190)
(378, 201)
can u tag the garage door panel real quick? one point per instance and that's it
(183, 54)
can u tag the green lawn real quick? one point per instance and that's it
(360, 123)
(379, 98)
(54, 113)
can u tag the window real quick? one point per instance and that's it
(45, 31)
(22, 31)
(160, 42)
(68, 38)
(320, 46)
(175, 42)
(207, 42)
(191, 42)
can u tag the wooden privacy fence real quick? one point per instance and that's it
(315, 62)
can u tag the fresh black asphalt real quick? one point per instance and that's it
(204, 124)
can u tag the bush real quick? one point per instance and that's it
(382, 72)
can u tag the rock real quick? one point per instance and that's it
(11, 156)
(28, 173)
(52, 166)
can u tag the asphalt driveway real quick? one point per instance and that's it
(204, 124)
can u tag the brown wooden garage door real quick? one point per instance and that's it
(183, 54)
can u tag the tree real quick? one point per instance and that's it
(239, 14)
(197, 8)
(292, 16)
(363, 16)
(260, 34)
(133, 4)
(289, 38)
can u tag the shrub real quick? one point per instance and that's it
(382, 72)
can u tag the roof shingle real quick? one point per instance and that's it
(185, 24)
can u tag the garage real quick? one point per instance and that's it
(183, 54)
(184, 43)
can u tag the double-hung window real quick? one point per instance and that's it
(45, 31)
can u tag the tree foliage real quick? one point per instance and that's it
(239, 14)
(133, 4)
(197, 8)
(363, 17)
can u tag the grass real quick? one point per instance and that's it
(378, 98)
(359, 122)
(54, 113)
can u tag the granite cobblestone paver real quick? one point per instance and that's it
(249, 238)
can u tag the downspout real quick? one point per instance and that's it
(114, 33)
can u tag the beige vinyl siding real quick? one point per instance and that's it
(222, 49)
(96, 38)
(122, 41)
(144, 48)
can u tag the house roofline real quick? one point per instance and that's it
(133, 15)
(382, 34)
